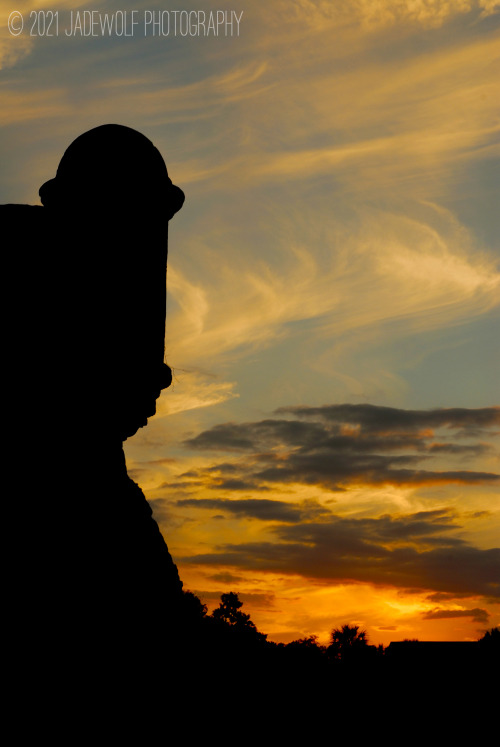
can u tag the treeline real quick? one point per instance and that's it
(229, 632)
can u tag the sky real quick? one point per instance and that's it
(329, 448)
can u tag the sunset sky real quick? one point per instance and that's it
(329, 449)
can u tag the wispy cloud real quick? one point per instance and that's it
(14, 47)
(374, 15)
(394, 266)
(192, 390)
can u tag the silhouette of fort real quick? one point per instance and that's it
(84, 303)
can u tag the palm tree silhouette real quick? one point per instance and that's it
(347, 641)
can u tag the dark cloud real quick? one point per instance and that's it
(477, 614)
(236, 484)
(258, 508)
(406, 552)
(444, 596)
(375, 419)
(338, 445)
(329, 471)
(226, 578)
(258, 599)
(214, 478)
(181, 484)
(163, 460)
(478, 514)
(475, 450)
(249, 436)
(224, 467)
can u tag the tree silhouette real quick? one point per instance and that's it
(347, 642)
(305, 651)
(229, 613)
(490, 641)
(309, 642)
(193, 607)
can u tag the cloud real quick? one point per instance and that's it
(384, 276)
(255, 508)
(444, 596)
(171, 100)
(375, 419)
(13, 48)
(37, 105)
(411, 552)
(379, 14)
(339, 445)
(192, 390)
(477, 614)
(431, 111)
(226, 578)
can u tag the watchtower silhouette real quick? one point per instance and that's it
(111, 201)
(85, 339)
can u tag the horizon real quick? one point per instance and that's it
(329, 447)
